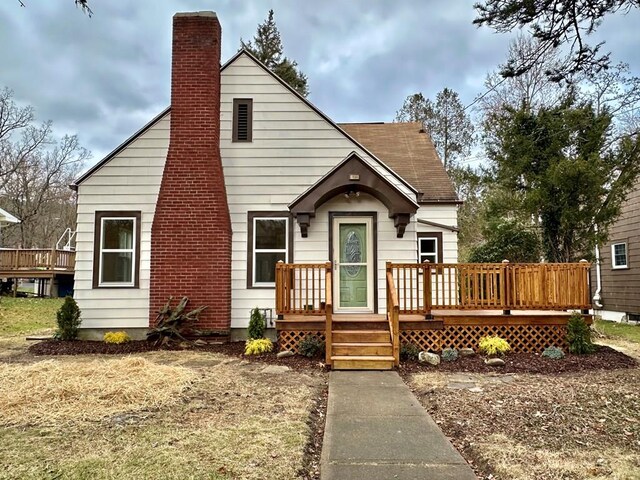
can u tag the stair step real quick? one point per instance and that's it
(360, 336)
(361, 325)
(362, 348)
(362, 362)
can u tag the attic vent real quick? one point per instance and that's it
(242, 119)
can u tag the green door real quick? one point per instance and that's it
(353, 252)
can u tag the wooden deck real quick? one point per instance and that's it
(434, 307)
(49, 266)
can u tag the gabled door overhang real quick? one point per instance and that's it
(351, 176)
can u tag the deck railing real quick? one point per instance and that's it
(301, 288)
(393, 316)
(36, 259)
(491, 286)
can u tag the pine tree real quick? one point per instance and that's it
(267, 47)
(446, 121)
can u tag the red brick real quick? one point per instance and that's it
(191, 232)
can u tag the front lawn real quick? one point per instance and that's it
(186, 414)
(622, 331)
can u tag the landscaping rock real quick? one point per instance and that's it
(466, 352)
(460, 385)
(285, 354)
(476, 390)
(495, 362)
(200, 343)
(275, 369)
(430, 358)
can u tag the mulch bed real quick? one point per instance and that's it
(234, 349)
(604, 358)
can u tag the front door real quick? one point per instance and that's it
(353, 264)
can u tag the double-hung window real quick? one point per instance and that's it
(269, 243)
(117, 249)
(619, 257)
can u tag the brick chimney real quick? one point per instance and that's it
(191, 232)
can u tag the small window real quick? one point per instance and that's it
(430, 247)
(269, 243)
(242, 119)
(116, 249)
(619, 255)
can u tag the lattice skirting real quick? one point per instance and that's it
(522, 338)
(288, 340)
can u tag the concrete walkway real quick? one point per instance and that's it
(376, 429)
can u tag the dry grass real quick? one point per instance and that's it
(516, 461)
(56, 393)
(232, 422)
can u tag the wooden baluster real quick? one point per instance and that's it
(508, 285)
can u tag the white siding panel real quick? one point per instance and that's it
(129, 181)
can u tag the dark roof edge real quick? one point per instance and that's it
(451, 228)
(336, 167)
(126, 143)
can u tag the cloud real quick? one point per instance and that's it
(104, 77)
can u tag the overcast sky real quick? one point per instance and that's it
(106, 76)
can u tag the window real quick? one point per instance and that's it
(242, 120)
(430, 247)
(270, 240)
(619, 255)
(116, 249)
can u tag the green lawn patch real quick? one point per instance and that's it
(28, 316)
(624, 331)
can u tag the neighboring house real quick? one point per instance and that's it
(242, 172)
(618, 297)
(6, 219)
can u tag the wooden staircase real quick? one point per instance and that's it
(361, 342)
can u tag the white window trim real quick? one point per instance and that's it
(434, 253)
(613, 256)
(118, 250)
(268, 250)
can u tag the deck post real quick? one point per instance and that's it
(507, 287)
(426, 280)
(328, 328)
(53, 259)
(585, 263)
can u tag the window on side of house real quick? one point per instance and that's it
(269, 242)
(242, 120)
(619, 257)
(430, 247)
(116, 249)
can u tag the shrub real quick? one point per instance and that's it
(579, 335)
(116, 337)
(171, 323)
(258, 346)
(409, 351)
(449, 354)
(256, 324)
(69, 320)
(494, 345)
(311, 346)
(553, 352)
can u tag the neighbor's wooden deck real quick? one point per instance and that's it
(36, 263)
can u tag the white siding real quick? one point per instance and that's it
(292, 147)
(444, 215)
(129, 181)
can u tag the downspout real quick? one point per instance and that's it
(597, 298)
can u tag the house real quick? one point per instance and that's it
(242, 172)
(243, 194)
(617, 278)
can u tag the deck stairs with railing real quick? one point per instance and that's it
(361, 342)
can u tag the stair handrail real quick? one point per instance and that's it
(393, 315)
(69, 236)
(329, 313)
